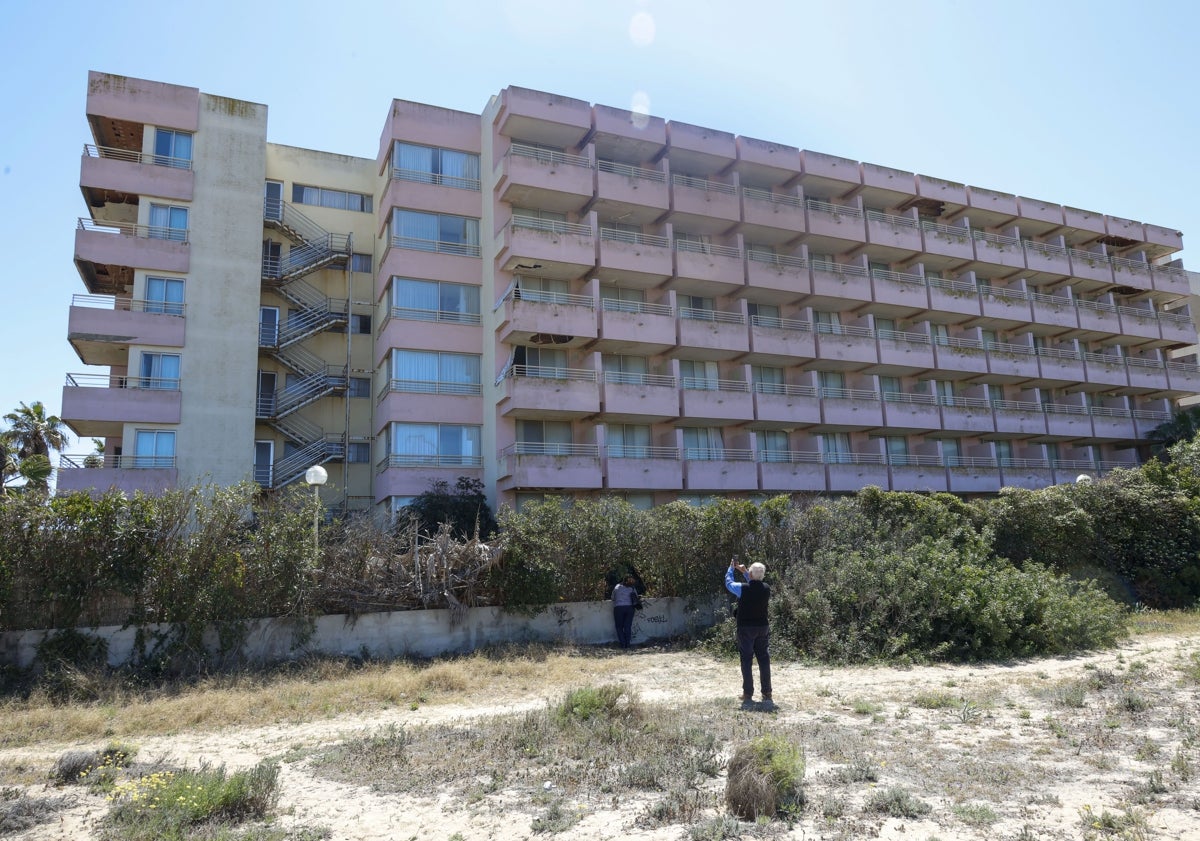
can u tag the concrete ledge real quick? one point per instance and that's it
(409, 633)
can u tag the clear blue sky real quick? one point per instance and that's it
(1090, 103)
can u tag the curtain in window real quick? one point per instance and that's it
(459, 298)
(168, 222)
(419, 230)
(703, 443)
(416, 443)
(414, 370)
(414, 159)
(700, 376)
(628, 441)
(418, 297)
(462, 370)
(836, 448)
(164, 295)
(460, 169)
(773, 445)
(160, 370)
(459, 444)
(154, 448)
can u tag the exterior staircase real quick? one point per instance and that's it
(313, 247)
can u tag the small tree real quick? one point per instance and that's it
(465, 508)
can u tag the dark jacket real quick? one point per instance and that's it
(752, 605)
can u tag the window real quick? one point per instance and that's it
(434, 444)
(951, 452)
(154, 448)
(767, 380)
(833, 383)
(627, 370)
(828, 322)
(1004, 453)
(360, 324)
(536, 437)
(358, 453)
(897, 449)
(168, 222)
(835, 448)
(335, 199)
(433, 165)
(361, 263)
(628, 441)
(890, 388)
(703, 443)
(696, 307)
(429, 300)
(431, 372)
(439, 232)
(773, 445)
(165, 295)
(359, 387)
(764, 315)
(885, 328)
(618, 299)
(698, 375)
(542, 220)
(540, 362)
(173, 148)
(160, 371)
(541, 289)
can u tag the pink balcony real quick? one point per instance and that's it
(457, 264)
(835, 221)
(846, 478)
(1107, 370)
(1068, 421)
(1032, 478)
(1118, 425)
(1042, 211)
(1177, 327)
(725, 474)
(540, 392)
(402, 402)
(645, 474)
(120, 473)
(633, 259)
(958, 296)
(1170, 238)
(399, 477)
(107, 253)
(1139, 322)
(913, 412)
(771, 217)
(1184, 376)
(699, 143)
(1133, 273)
(990, 201)
(1146, 373)
(905, 293)
(829, 169)
(921, 479)
(537, 314)
(626, 325)
(1047, 258)
(698, 198)
(899, 232)
(1171, 280)
(783, 277)
(558, 249)
(454, 336)
(1091, 265)
(1099, 317)
(787, 405)
(101, 329)
(961, 355)
(833, 283)
(710, 270)
(890, 180)
(545, 118)
(633, 191)
(903, 353)
(968, 415)
(792, 476)
(1056, 310)
(974, 479)
(949, 192)
(541, 466)
(639, 398)
(998, 250)
(643, 135)
(124, 99)
(1085, 220)
(948, 240)
(1060, 365)
(706, 337)
(111, 174)
(1016, 361)
(1020, 418)
(848, 347)
(434, 198)
(728, 401)
(787, 343)
(860, 409)
(98, 406)
(529, 176)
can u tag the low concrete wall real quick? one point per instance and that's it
(417, 633)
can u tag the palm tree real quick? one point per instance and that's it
(1184, 426)
(33, 433)
(34, 470)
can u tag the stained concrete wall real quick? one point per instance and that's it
(414, 633)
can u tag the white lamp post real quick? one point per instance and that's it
(316, 476)
(1083, 479)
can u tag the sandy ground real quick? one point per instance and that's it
(1008, 759)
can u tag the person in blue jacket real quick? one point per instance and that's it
(753, 632)
(625, 599)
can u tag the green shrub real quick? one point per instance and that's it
(765, 779)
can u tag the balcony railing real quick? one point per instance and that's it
(716, 454)
(421, 176)
(636, 451)
(631, 171)
(633, 237)
(847, 393)
(131, 156)
(122, 381)
(461, 249)
(623, 378)
(537, 296)
(109, 302)
(950, 285)
(121, 462)
(431, 387)
(891, 219)
(1046, 249)
(695, 247)
(834, 209)
(551, 226)
(128, 229)
(618, 305)
(773, 198)
(718, 316)
(549, 156)
(838, 268)
(429, 460)
(788, 457)
(827, 329)
(547, 372)
(706, 384)
(781, 323)
(442, 316)
(773, 259)
(955, 231)
(897, 277)
(549, 448)
(996, 239)
(785, 389)
(702, 184)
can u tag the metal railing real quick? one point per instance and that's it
(129, 229)
(902, 336)
(773, 259)
(788, 457)
(429, 460)
(537, 296)
(914, 460)
(838, 268)
(631, 171)
(773, 198)
(708, 248)
(702, 184)
(431, 387)
(707, 384)
(716, 454)
(1051, 300)
(655, 380)
(785, 389)
(826, 329)
(459, 249)
(636, 451)
(122, 381)
(549, 372)
(718, 316)
(633, 237)
(998, 240)
(1046, 249)
(421, 176)
(1170, 271)
(958, 343)
(836, 393)
(781, 323)
(440, 316)
(94, 461)
(1095, 306)
(136, 157)
(110, 302)
(956, 231)
(898, 277)
(1002, 292)
(891, 219)
(951, 285)
(1087, 256)
(833, 209)
(549, 448)
(549, 156)
(618, 305)
(551, 226)
(1131, 265)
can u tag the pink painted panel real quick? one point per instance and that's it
(787, 408)
(905, 354)
(1140, 377)
(1144, 326)
(1178, 331)
(1171, 281)
(636, 191)
(143, 101)
(1138, 277)
(622, 123)
(1012, 364)
(1113, 374)
(542, 397)
(420, 408)
(1020, 421)
(949, 244)
(1059, 423)
(120, 405)
(713, 335)
(126, 480)
(833, 283)
(786, 477)
(1057, 368)
(912, 415)
(1184, 378)
(914, 295)
(848, 412)
(974, 480)
(882, 232)
(539, 106)
(698, 202)
(114, 249)
(537, 471)
(942, 190)
(886, 178)
(831, 166)
(1012, 256)
(1047, 261)
(765, 153)
(777, 341)
(793, 280)
(1159, 235)
(967, 419)
(644, 401)
(1126, 228)
(961, 359)
(1026, 477)
(699, 139)
(1040, 210)
(637, 327)
(954, 300)
(522, 178)
(854, 477)
(1110, 427)
(433, 198)
(1093, 268)
(861, 349)
(528, 245)
(716, 405)
(713, 268)
(643, 474)
(429, 125)
(923, 479)
(412, 481)
(983, 199)
(620, 259)
(1007, 309)
(1102, 320)
(426, 265)
(1085, 220)
(404, 333)
(720, 475)
(126, 326)
(847, 226)
(137, 178)
(525, 317)
(771, 214)
(1061, 313)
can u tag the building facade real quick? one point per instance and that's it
(556, 297)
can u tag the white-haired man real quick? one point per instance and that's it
(753, 630)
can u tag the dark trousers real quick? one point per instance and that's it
(623, 619)
(752, 645)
